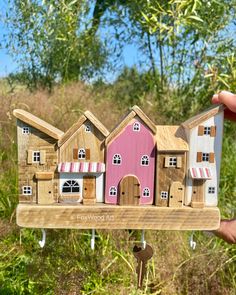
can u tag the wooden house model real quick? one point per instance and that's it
(140, 175)
(130, 161)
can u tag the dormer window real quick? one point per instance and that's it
(144, 160)
(25, 130)
(81, 154)
(116, 159)
(146, 192)
(136, 126)
(87, 128)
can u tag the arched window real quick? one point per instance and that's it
(146, 192)
(81, 154)
(116, 159)
(87, 128)
(113, 191)
(136, 126)
(145, 160)
(70, 186)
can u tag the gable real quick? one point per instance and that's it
(137, 113)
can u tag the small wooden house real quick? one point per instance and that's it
(170, 166)
(204, 133)
(81, 161)
(37, 159)
(130, 161)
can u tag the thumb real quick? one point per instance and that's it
(229, 99)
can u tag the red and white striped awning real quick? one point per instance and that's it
(200, 172)
(76, 167)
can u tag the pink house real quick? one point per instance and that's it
(130, 161)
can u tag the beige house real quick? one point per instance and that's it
(170, 166)
(37, 159)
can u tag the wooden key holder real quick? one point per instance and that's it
(138, 176)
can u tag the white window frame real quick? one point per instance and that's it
(36, 157)
(112, 191)
(173, 162)
(81, 154)
(116, 159)
(205, 157)
(164, 195)
(27, 190)
(146, 192)
(72, 184)
(145, 160)
(87, 128)
(207, 130)
(25, 130)
(211, 190)
(136, 126)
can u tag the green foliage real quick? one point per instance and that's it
(51, 41)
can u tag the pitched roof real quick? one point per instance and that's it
(135, 111)
(207, 114)
(171, 138)
(38, 123)
(86, 116)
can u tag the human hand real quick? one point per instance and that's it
(227, 230)
(229, 100)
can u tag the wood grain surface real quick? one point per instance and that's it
(103, 216)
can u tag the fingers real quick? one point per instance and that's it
(227, 98)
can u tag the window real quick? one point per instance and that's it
(211, 190)
(205, 157)
(145, 160)
(81, 154)
(36, 157)
(116, 159)
(136, 126)
(27, 190)
(25, 130)
(146, 192)
(113, 191)
(172, 161)
(164, 195)
(87, 128)
(70, 186)
(207, 131)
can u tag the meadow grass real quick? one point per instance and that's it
(67, 265)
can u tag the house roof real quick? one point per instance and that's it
(38, 123)
(135, 111)
(207, 114)
(86, 116)
(171, 138)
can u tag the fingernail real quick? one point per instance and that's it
(226, 92)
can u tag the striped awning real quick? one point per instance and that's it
(76, 167)
(200, 173)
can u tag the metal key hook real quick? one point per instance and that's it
(92, 242)
(43, 241)
(192, 243)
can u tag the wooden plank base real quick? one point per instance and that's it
(103, 216)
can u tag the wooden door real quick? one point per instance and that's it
(129, 189)
(198, 193)
(45, 191)
(89, 190)
(176, 195)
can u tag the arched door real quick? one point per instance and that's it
(130, 191)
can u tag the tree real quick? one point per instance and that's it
(51, 42)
